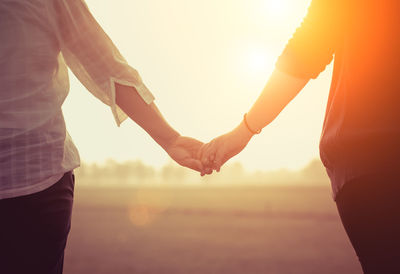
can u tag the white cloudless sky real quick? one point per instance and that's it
(206, 62)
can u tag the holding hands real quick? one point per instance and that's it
(279, 91)
(205, 158)
(193, 154)
(184, 151)
(214, 154)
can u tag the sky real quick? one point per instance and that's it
(206, 62)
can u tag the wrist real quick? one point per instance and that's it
(249, 127)
(169, 139)
(243, 131)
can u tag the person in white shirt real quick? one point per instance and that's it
(39, 39)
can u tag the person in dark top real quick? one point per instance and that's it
(360, 142)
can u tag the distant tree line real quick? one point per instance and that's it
(138, 173)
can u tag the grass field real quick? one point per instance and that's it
(206, 230)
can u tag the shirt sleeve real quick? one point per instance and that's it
(93, 57)
(312, 46)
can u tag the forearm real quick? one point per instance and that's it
(278, 92)
(145, 115)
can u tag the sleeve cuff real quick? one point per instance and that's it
(302, 64)
(142, 90)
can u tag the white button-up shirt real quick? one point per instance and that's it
(38, 39)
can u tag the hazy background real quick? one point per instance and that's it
(270, 210)
(138, 174)
(133, 218)
(206, 62)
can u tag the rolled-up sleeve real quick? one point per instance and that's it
(313, 44)
(93, 57)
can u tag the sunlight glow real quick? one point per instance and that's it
(258, 60)
(231, 55)
(255, 61)
(277, 9)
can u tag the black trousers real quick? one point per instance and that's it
(34, 230)
(369, 208)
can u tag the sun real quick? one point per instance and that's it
(276, 5)
(258, 60)
(276, 8)
(254, 59)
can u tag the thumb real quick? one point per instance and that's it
(201, 151)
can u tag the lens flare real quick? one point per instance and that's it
(148, 205)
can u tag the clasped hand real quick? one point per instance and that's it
(217, 152)
(205, 158)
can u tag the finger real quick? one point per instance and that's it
(193, 146)
(207, 171)
(211, 158)
(209, 154)
(194, 164)
(201, 152)
(205, 154)
(202, 156)
(199, 156)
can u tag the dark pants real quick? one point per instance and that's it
(34, 230)
(370, 211)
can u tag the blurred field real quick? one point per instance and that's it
(206, 230)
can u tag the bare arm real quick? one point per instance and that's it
(145, 115)
(99, 65)
(309, 51)
(278, 92)
(183, 150)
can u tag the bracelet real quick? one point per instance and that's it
(247, 125)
